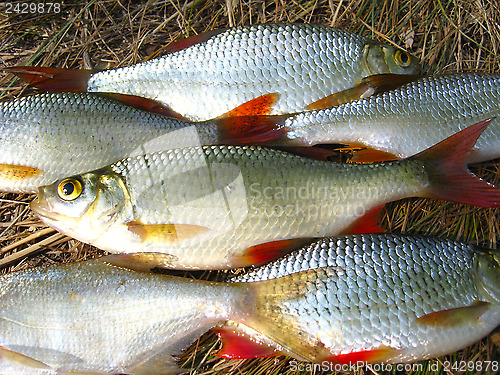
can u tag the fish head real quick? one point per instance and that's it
(487, 265)
(383, 59)
(83, 206)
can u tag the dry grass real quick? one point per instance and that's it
(447, 35)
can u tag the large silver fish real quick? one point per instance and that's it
(208, 207)
(207, 75)
(342, 300)
(404, 121)
(48, 136)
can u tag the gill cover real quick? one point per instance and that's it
(96, 198)
(488, 274)
(388, 59)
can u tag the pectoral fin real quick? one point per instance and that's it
(369, 86)
(164, 233)
(456, 316)
(21, 359)
(17, 172)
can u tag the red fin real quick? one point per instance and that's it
(377, 355)
(191, 41)
(457, 316)
(263, 253)
(144, 104)
(53, 79)
(448, 174)
(249, 123)
(238, 346)
(368, 223)
(369, 86)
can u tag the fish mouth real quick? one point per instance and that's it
(41, 207)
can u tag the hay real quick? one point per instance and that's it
(447, 35)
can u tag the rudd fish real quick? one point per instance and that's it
(223, 206)
(209, 74)
(404, 121)
(358, 298)
(48, 136)
(370, 298)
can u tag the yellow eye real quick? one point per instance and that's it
(69, 189)
(403, 58)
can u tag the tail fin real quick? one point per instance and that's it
(53, 79)
(448, 174)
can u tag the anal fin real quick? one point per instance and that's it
(268, 251)
(368, 223)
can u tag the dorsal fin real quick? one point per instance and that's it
(181, 44)
(53, 79)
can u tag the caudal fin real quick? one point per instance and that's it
(448, 174)
(53, 79)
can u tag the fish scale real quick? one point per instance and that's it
(408, 119)
(303, 63)
(364, 290)
(360, 305)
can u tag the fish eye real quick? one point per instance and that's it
(403, 58)
(69, 189)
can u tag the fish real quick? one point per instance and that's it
(209, 74)
(91, 317)
(406, 120)
(221, 207)
(48, 136)
(371, 298)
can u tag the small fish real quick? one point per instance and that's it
(219, 207)
(209, 74)
(406, 120)
(48, 136)
(371, 298)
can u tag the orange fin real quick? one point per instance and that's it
(239, 346)
(53, 79)
(191, 41)
(250, 123)
(368, 223)
(164, 233)
(369, 86)
(366, 154)
(381, 354)
(17, 172)
(448, 174)
(456, 316)
(258, 106)
(142, 262)
(144, 104)
(268, 251)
